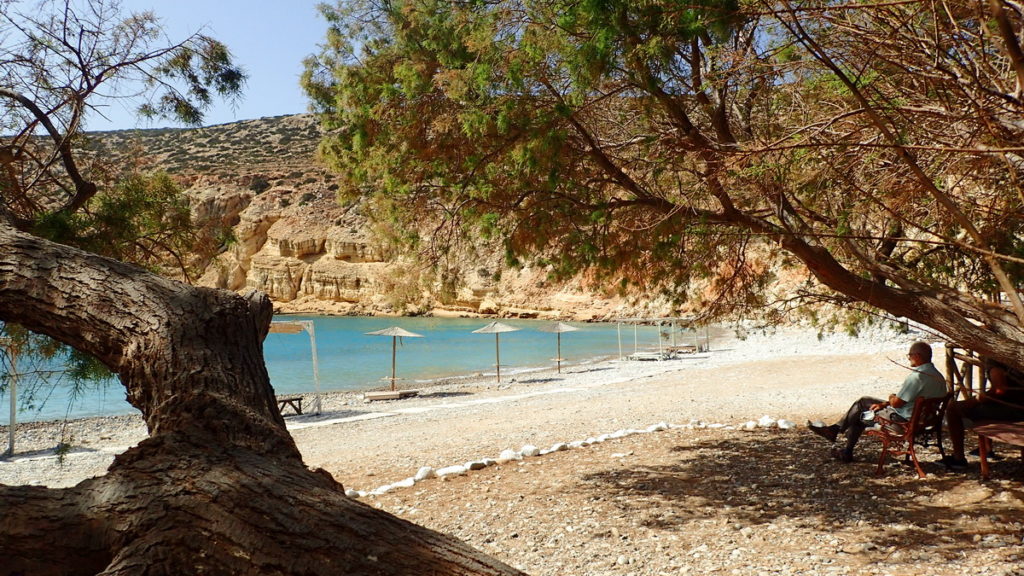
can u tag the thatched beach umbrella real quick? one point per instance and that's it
(496, 328)
(395, 332)
(558, 328)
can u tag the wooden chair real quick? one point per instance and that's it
(900, 438)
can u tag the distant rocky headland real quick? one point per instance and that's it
(311, 254)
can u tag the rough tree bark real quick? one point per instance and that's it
(219, 487)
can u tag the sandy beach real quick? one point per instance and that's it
(684, 466)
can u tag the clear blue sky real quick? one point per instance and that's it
(268, 38)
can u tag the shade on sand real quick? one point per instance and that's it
(395, 332)
(496, 328)
(558, 328)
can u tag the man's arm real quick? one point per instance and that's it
(894, 401)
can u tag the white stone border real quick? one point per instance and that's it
(530, 451)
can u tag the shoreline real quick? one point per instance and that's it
(98, 439)
(107, 400)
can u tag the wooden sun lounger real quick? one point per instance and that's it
(294, 401)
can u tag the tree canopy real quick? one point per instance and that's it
(62, 62)
(665, 142)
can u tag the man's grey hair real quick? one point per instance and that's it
(923, 349)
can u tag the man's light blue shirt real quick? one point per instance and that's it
(924, 380)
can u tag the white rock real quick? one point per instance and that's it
(559, 447)
(509, 455)
(456, 470)
(529, 450)
(766, 421)
(577, 443)
(424, 473)
(352, 493)
(748, 425)
(406, 483)
(659, 427)
(786, 424)
(476, 465)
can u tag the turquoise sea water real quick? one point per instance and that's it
(348, 359)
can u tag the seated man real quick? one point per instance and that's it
(924, 380)
(1004, 402)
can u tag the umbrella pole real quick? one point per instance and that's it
(558, 351)
(394, 342)
(497, 357)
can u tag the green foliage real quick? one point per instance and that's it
(681, 147)
(141, 218)
(40, 363)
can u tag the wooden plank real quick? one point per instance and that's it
(390, 394)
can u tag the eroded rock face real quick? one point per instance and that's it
(314, 249)
(316, 256)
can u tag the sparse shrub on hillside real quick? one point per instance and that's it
(306, 198)
(259, 185)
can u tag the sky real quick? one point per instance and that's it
(268, 38)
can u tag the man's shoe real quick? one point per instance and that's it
(827, 432)
(842, 454)
(954, 463)
(991, 455)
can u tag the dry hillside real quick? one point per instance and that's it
(295, 242)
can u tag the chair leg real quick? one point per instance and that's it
(881, 458)
(983, 456)
(913, 456)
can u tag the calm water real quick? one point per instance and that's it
(349, 359)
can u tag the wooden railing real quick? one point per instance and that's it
(961, 379)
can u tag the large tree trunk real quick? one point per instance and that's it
(219, 487)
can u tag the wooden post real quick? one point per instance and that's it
(12, 394)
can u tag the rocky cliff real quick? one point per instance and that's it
(311, 254)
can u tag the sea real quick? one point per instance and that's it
(347, 358)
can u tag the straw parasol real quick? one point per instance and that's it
(395, 332)
(496, 328)
(558, 328)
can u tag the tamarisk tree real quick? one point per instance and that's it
(712, 144)
(219, 486)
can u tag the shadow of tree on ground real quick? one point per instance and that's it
(766, 477)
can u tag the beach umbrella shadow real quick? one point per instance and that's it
(558, 328)
(496, 328)
(395, 332)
